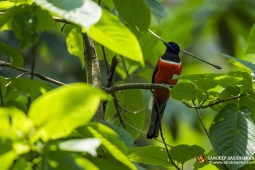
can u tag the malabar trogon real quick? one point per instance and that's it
(167, 66)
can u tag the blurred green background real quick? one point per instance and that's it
(203, 27)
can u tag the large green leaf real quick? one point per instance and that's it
(135, 12)
(58, 112)
(183, 153)
(184, 92)
(251, 41)
(82, 12)
(114, 35)
(8, 14)
(152, 155)
(156, 8)
(32, 87)
(2, 86)
(111, 154)
(75, 44)
(232, 133)
(16, 58)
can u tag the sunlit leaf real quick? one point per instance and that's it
(8, 14)
(4, 5)
(88, 145)
(16, 58)
(251, 41)
(114, 35)
(82, 12)
(34, 88)
(156, 8)
(232, 133)
(75, 44)
(58, 112)
(152, 155)
(135, 12)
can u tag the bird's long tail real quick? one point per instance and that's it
(154, 125)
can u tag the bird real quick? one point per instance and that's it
(168, 65)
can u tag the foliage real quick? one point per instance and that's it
(49, 127)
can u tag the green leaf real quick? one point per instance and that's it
(183, 153)
(245, 65)
(135, 12)
(44, 20)
(123, 134)
(82, 12)
(231, 132)
(34, 88)
(108, 147)
(114, 35)
(107, 133)
(10, 96)
(88, 145)
(75, 44)
(24, 25)
(156, 8)
(56, 119)
(152, 155)
(251, 41)
(184, 92)
(4, 5)
(16, 58)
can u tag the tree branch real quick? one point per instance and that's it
(218, 101)
(45, 78)
(92, 69)
(136, 86)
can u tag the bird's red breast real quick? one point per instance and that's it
(164, 75)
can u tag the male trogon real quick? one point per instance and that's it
(167, 66)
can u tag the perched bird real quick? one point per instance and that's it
(167, 66)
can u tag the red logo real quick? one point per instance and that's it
(201, 159)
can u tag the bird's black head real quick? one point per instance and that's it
(172, 47)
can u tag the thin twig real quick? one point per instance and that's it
(45, 78)
(124, 65)
(161, 131)
(33, 53)
(145, 133)
(186, 52)
(129, 111)
(218, 101)
(105, 60)
(137, 86)
(201, 121)
(116, 104)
